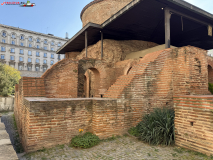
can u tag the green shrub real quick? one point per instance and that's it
(158, 127)
(211, 88)
(85, 141)
(134, 131)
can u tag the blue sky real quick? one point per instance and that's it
(57, 16)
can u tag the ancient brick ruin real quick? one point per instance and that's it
(108, 86)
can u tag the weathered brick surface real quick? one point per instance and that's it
(158, 76)
(193, 123)
(113, 50)
(61, 79)
(210, 69)
(99, 11)
(48, 122)
(33, 87)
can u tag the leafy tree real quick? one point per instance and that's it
(9, 76)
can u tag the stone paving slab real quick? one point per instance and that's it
(2, 126)
(4, 134)
(5, 142)
(8, 153)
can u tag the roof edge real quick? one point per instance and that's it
(77, 34)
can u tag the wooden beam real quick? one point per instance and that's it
(102, 38)
(167, 15)
(86, 42)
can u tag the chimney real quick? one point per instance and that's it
(67, 35)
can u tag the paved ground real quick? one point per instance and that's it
(123, 148)
(7, 151)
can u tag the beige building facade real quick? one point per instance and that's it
(30, 52)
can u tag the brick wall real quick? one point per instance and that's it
(101, 11)
(158, 76)
(48, 122)
(113, 50)
(193, 123)
(33, 87)
(61, 79)
(210, 69)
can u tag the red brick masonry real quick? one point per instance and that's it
(193, 121)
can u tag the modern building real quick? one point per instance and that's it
(30, 52)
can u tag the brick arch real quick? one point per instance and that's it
(96, 67)
(128, 67)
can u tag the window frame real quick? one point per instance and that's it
(38, 54)
(3, 50)
(21, 58)
(2, 55)
(21, 52)
(11, 58)
(46, 55)
(30, 60)
(30, 52)
(11, 49)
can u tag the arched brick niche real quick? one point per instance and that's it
(99, 11)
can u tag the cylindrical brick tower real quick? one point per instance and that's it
(98, 11)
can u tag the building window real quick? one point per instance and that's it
(59, 57)
(52, 43)
(21, 59)
(59, 44)
(29, 68)
(38, 40)
(45, 61)
(2, 48)
(12, 50)
(52, 55)
(29, 53)
(44, 69)
(12, 58)
(3, 41)
(22, 37)
(4, 34)
(2, 56)
(37, 60)
(30, 45)
(37, 68)
(29, 59)
(45, 55)
(13, 42)
(45, 48)
(52, 49)
(51, 62)
(45, 41)
(21, 44)
(21, 51)
(37, 54)
(30, 39)
(20, 67)
(13, 36)
(37, 46)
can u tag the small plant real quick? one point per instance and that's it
(85, 141)
(149, 154)
(42, 150)
(211, 88)
(61, 146)
(156, 150)
(134, 131)
(158, 127)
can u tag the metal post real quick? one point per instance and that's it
(101, 45)
(167, 27)
(86, 42)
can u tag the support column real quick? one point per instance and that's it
(102, 37)
(86, 42)
(167, 27)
